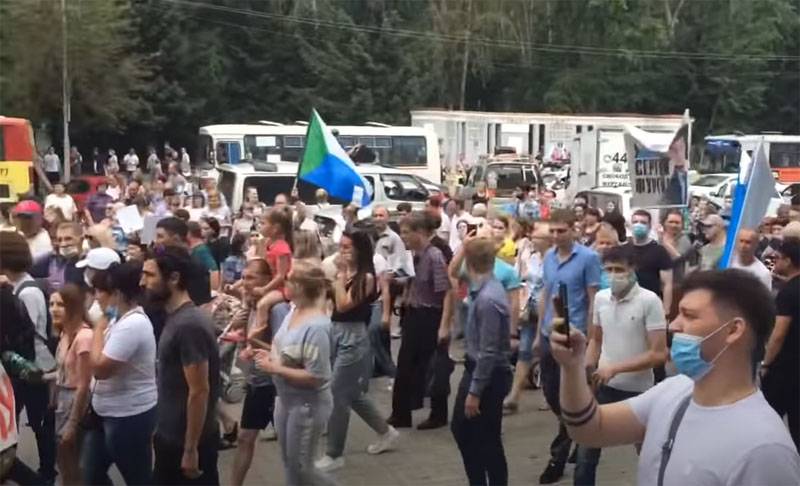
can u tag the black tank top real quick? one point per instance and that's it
(361, 312)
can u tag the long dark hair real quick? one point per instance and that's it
(362, 253)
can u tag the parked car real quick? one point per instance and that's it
(390, 186)
(707, 184)
(726, 191)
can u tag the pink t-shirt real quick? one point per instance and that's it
(67, 356)
(275, 251)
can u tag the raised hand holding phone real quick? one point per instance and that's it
(561, 306)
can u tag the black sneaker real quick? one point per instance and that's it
(552, 473)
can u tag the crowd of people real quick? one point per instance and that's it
(119, 344)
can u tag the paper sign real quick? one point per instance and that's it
(273, 157)
(149, 229)
(358, 195)
(265, 141)
(658, 167)
(129, 219)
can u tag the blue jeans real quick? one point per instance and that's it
(380, 343)
(124, 441)
(587, 457)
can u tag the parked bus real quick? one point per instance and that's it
(410, 149)
(722, 152)
(17, 153)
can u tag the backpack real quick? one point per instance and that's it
(49, 339)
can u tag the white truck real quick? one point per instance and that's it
(599, 158)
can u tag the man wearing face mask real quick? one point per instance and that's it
(653, 263)
(59, 266)
(627, 343)
(708, 425)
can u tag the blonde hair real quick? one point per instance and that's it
(479, 255)
(308, 282)
(306, 245)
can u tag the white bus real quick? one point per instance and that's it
(721, 154)
(411, 149)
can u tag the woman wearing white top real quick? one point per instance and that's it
(124, 394)
(61, 200)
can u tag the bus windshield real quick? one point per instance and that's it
(784, 155)
(720, 157)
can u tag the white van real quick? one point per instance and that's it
(390, 186)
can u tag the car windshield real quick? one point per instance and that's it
(711, 180)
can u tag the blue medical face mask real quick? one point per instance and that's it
(686, 353)
(640, 230)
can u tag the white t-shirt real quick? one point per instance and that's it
(756, 268)
(131, 162)
(64, 202)
(52, 163)
(131, 390)
(40, 244)
(444, 229)
(625, 325)
(744, 443)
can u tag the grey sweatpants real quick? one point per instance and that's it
(299, 426)
(351, 367)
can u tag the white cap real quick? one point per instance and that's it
(99, 259)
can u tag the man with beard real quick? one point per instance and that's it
(186, 436)
(58, 266)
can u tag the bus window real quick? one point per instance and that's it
(204, 147)
(784, 155)
(227, 182)
(720, 156)
(261, 147)
(408, 151)
(292, 148)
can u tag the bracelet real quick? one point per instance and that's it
(583, 421)
(568, 414)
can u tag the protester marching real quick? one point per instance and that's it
(131, 317)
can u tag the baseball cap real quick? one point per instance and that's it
(27, 207)
(99, 259)
(714, 220)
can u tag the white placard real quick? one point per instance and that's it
(358, 195)
(265, 141)
(129, 219)
(273, 157)
(149, 229)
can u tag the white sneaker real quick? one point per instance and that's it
(327, 464)
(268, 434)
(385, 442)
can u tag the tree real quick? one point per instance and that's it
(108, 77)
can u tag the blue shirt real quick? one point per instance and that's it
(579, 271)
(503, 272)
(486, 334)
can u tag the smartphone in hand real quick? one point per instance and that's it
(561, 304)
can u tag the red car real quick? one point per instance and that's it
(80, 188)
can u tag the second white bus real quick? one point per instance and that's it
(411, 149)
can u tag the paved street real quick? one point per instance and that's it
(430, 457)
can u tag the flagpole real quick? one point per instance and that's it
(303, 155)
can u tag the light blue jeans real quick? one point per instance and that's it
(351, 368)
(299, 426)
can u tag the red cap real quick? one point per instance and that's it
(27, 207)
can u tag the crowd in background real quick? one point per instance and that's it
(106, 325)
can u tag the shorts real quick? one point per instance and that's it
(527, 335)
(65, 397)
(258, 408)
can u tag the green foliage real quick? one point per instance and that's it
(161, 68)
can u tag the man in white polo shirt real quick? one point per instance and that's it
(627, 342)
(746, 245)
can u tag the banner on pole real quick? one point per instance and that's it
(658, 165)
